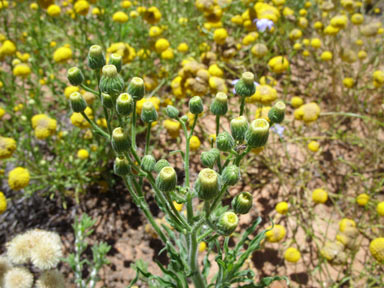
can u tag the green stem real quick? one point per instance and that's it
(242, 105)
(147, 138)
(217, 133)
(86, 88)
(133, 127)
(197, 279)
(95, 127)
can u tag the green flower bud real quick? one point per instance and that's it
(277, 112)
(196, 105)
(111, 82)
(224, 141)
(116, 59)
(210, 157)
(245, 87)
(75, 76)
(136, 88)
(257, 133)
(227, 223)
(120, 140)
(242, 203)
(184, 118)
(106, 100)
(172, 112)
(230, 175)
(167, 179)
(124, 104)
(148, 112)
(239, 126)
(121, 166)
(96, 59)
(207, 184)
(148, 163)
(161, 164)
(219, 105)
(78, 103)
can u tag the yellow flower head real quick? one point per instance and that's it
(8, 48)
(220, 35)
(194, 143)
(44, 126)
(326, 56)
(296, 102)
(362, 199)
(53, 10)
(282, 208)
(3, 203)
(202, 246)
(295, 34)
(183, 47)
(81, 7)
(380, 208)
(259, 50)
(268, 80)
(265, 94)
(313, 146)
(178, 206)
(78, 120)
(62, 54)
(319, 196)
(155, 31)
(348, 82)
(292, 255)
(308, 112)
(345, 224)
(339, 21)
(161, 45)
(278, 64)
(376, 247)
(276, 234)
(69, 90)
(45, 3)
(127, 52)
(215, 70)
(7, 147)
(18, 178)
(357, 19)
(21, 70)
(167, 54)
(316, 43)
(152, 15)
(172, 127)
(263, 113)
(250, 38)
(266, 11)
(332, 251)
(82, 154)
(120, 17)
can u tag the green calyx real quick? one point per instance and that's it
(242, 203)
(224, 141)
(136, 88)
(121, 166)
(96, 59)
(111, 82)
(230, 175)
(148, 112)
(75, 76)
(227, 223)
(120, 140)
(196, 105)
(245, 87)
(167, 179)
(257, 133)
(277, 112)
(219, 105)
(239, 126)
(124, 104)
(78, 103)
(207, 184)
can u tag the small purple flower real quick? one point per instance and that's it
(278, 129)
(236, 80)
(263, 24)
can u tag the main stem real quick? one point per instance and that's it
(242, 105)
(197, 279)
(133, 127)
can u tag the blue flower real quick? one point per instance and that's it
(279, 130)
(263, 24)
(236, 80)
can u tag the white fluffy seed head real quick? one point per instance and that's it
(18, 278)
(51, 279)
(5, 266)
(46, 254)
(19, 249)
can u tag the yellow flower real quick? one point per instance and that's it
(316, 43)
(331, 30)
(178, 206)
(7, 147)
(102, 122)
(82, 154)
(318, 25)
(278, 64)
(295, 34)
(23, 57)
(220, 35)
(308, 112)
(8, 48)
(326, 56)
(133, 14)
(172, 127)
(167, 54)
(266, 11)
(276, 234)
(202, 246)
(282, 208)
(319, 196)
(303, 22)
(292, 255)
(53, 10)
(194, 143)
(52, 44)
(362, 54)
(127, 52)
(339, 21)
(265, 94)
(250, 38)
(120, 17)
(96, 11)
(161, 45)
(2, 113)
(62, 54)
(314, 146)
(45, 3)
(288, 11)
(125, 4)
(259, 50)
(81, 7)
(345, 224)
(296, 102)
(215, 70)
(18, 178)
(44, 126)
(306, 53)
(378, 76)
(348, 82)
(376, 247)
(237, 19)
(357, 19)
(152, 15)
(69, 90)
(155, 31)
(78, 120)
(34, 6)
(332, 250)
(362, 199)
(380, 208)
(183, 47)
(263, 113)
(3, 203)
(22, 70)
